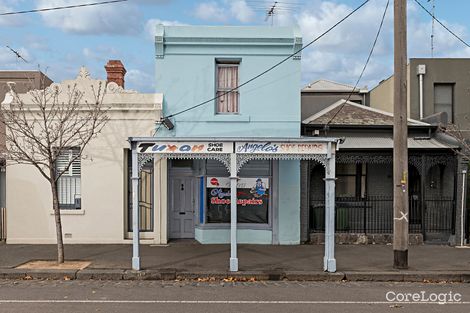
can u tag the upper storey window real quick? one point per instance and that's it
(444, 99)
(227, 79)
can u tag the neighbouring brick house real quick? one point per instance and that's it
(364, 171)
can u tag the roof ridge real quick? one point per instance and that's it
(309, 85)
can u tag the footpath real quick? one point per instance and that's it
(187, 260)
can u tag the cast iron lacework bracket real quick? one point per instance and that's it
(430, 161)
(344, 158)
(224, 158)
(414, 160)
(143, 158)
(242, 159)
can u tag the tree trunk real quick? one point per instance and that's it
(58, 222)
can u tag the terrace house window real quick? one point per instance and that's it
(227, 78)
(68, 184)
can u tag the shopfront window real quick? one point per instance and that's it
(253, 193)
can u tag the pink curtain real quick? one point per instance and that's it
(227, 80)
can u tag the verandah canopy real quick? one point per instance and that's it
(234, 153)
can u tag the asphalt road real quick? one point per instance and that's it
(254, 297)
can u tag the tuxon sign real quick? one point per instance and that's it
(280, 147)
(186, 147)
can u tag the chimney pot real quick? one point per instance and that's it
(115, 72)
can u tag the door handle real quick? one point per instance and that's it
(182, 213)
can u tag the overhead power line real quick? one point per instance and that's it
(442, 24)
(365, 65)
(62, 7)
(272, 67)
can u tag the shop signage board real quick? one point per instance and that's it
(267, 147)
(252, 199)
(280, 148)
(186, 147)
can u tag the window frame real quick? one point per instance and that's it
(222, 62)
(452, 103)
(261, 226)
(360, 179)
(70, 174)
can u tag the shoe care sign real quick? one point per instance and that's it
(186, 147)
(252, 199)
(261, 147)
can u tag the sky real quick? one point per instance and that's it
(60, 42)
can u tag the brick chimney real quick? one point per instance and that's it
(116, 71)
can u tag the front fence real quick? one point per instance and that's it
(374, 214)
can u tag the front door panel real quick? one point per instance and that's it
(183, 206)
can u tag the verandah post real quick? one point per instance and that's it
(135, 209)
(233, 213)
(329, 261)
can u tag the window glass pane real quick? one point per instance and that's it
(227, 79)
(345, 169)
(443, 94)
(443, 97)
(252, 200)
(183, 163)
(346, 186)
(68, 185)
(253, 192)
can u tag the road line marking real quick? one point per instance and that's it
(221, 302)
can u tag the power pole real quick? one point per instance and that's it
(400, 140)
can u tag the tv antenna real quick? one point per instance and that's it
(433, 4)
(270, 13)
(275, 9)
(18, 55)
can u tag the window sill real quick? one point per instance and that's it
(230, 118)
(70, 212)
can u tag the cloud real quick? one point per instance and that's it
(11, 20)
(210, 11)
(241, 11)
(151, 25)
(224, 11)
(117, 18)
(140, 80)
(341, 54)
(101, 53)
(152, 2)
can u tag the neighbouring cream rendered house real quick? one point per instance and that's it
(96, 209)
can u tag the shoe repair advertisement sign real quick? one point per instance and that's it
(252, 200)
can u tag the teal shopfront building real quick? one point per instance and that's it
(195, 64)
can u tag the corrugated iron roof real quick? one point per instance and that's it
(345, 112)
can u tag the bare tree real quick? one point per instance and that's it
(461, 136)
(41, 125)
